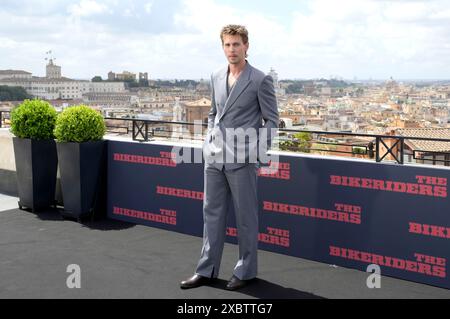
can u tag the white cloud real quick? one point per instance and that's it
(406, 11)
(86, 8)
(371, 38)
(148, 7)
(364, 38)
(6, 43)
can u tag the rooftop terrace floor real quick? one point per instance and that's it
(122, 260)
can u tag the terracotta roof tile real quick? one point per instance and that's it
(430, 146)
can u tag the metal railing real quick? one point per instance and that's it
(374, 146)
(383, 146)
(144, 130)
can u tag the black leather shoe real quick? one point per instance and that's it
(194, 282)
(236, 283)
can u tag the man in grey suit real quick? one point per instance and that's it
(242, 120)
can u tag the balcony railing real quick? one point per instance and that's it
(145, 130)
(366, 146)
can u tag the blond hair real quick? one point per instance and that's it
(235, 29)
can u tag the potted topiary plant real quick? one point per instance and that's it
(79, 131)
(32, 123)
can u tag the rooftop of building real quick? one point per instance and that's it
(200, 102)
(13, 72)
(41, 79)
(431, 146)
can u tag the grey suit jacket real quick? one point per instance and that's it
(251, 107)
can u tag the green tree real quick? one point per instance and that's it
(295, 88)
(97, 78)
(143, 83)
(358, 150)
(13, 93)
(300, 142)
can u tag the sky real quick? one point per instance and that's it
(302, 39)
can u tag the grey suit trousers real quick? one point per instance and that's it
(221, 186)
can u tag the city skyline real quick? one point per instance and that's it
(179, 39)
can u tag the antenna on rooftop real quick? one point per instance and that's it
(48, 56)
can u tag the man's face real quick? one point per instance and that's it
(234, 48)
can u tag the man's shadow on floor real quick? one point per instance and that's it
(263, 289)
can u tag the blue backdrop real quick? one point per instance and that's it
(344, 212)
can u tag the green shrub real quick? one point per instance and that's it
(79, 124)
(33, 119)
(300, 142)
(358, 150)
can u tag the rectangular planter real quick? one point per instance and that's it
(36, 166)
(81, 168)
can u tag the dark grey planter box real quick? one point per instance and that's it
(36, 166)
(81, 167)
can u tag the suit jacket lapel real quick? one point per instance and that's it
(241, 84)
(222, 84)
